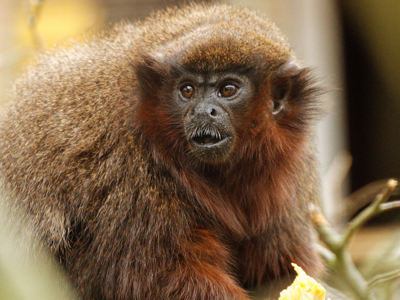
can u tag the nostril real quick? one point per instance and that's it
(213, 112)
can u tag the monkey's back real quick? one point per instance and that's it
(69, 117)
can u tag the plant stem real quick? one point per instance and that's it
(337, 254)
(35, 7)
(350, 275)
(369, 211)
(389, 205)
(380, 278)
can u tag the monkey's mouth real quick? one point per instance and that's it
(209, 138)
(210, 143)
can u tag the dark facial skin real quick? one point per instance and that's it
(209, 102)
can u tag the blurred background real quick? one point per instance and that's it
(352, 45)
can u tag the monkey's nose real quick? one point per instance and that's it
(208, 110)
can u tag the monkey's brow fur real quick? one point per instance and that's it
(96, 158)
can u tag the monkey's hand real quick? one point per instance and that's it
(203, 273)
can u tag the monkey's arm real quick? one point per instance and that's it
(203, 271)
(265, 261)
(285, 242)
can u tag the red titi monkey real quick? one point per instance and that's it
(169, 159)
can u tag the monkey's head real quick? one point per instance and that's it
(223, 90)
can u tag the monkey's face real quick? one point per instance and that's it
(194, 112)
(209, 104)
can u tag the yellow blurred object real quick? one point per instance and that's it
(303, 287)
(60, 20)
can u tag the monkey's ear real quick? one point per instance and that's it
(150, 72)
(290, 88)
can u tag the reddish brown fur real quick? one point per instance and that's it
(97, 158)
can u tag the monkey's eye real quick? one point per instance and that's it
(228, 90)
(187, 91)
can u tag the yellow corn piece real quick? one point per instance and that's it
(303, 287)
